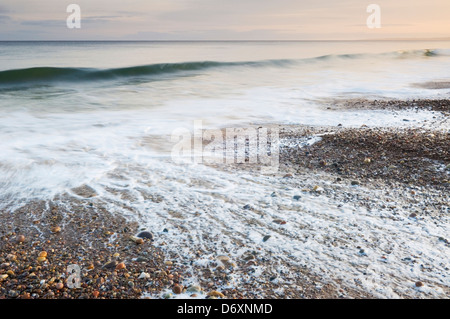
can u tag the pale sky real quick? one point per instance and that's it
(223, 19)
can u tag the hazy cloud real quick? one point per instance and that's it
(223, 20)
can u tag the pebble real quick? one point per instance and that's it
(318, 189)
(177, 289)
(419, 284)
(297, 197)
(215, 293)
(20, 238)
(110, 265)
(145, 234)
(279, 222)
(3, 277)
(137, 240)
(266, 238)
(144, 275)
(194, 289)
(59, 286)
(41, 259)
(95, 294)
(43, 254)
(120, 266)
(354, 183)
(56, 229)
(223, 258)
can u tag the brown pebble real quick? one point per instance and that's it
(215, 293)
(177, 289)
(59, 286)
(419, 284)
(41, 259)
(120, 266)
(43, 254)
(56, 229)
(96, 294)
(21, 238)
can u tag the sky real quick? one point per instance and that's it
(223, 19)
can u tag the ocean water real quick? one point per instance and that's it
(102, 114)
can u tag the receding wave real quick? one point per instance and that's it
(43, 75)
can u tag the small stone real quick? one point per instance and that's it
(131, 284)
(3, 277)
(95, 294)
(367, 160)
(215, 293)
(110, 265)
(220, 268)
(194, 289)
(41, 259)
(145, 235)
(318, 189)
(137, 240)
(354, 183)
(43, 254)
(419, 284)
(223, 258)
(56, 229)
(287, 176)
(20, 238)
(167, 296)
(297, 197)
(120, 266)
(413, 215)
(279, 222)
(144, 275)
(59, 286)
(177, 289)
(247, 206)
(266, 238)
(168, 263)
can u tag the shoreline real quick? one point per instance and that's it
(411, 165)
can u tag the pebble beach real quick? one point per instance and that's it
(398, 176)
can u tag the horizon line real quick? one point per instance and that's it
(249, 40)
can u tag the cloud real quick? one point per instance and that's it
(4, 18)
(222, 20)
